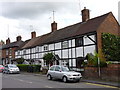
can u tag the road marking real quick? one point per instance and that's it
(103, 85)
(22, 80)
(48, 87)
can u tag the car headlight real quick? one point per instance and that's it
(69, 75)
(10, 69)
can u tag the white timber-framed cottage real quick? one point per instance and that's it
(71, 43)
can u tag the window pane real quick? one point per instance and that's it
(79, 41)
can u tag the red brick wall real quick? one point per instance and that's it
(110, 25)
(111, 72)
(13, 52)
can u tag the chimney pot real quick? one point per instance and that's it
(85, 14)
(18, 38)
(53, 26)
(8, 41)
(33, 34)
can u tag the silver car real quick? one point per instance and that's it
(11, 68)
(61, 72)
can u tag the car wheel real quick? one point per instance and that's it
(49, 77)
(78, 80)
(3, 72)
(64, 79)
(8, 72)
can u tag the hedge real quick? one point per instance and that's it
(29, 68)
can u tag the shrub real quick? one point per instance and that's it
(93, 60)
(29, 68)
(20, 60)
(111, 46)
(23, 67)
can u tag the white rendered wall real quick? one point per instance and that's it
(58, 45)
(70, 53)
(74, 62)
(51, 47)
(89, 49)
(79, 52)
(58, 53)
(65, 53)
(73, 43)
(73, 52)
(88, 41)
(70, 43)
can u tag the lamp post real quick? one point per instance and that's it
(99, 73)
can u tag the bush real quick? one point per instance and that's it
(23, 67)
(111, 46)
(93, 60)
(20, 60)
(29, 68)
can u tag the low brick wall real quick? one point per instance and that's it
(111, 72)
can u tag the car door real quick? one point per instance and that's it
(58, 72)
(52, 72)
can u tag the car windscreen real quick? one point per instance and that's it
(65, 69)
(12, 66)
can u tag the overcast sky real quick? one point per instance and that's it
(21, 18)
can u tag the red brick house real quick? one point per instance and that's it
(8, 50)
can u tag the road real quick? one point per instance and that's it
(32, 81)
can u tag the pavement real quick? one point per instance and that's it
(95, 81)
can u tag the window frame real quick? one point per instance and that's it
(79, 41)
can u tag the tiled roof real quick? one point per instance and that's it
(13, 44)
(77, 29)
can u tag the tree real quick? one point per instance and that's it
(2, 42)
(20, 60)
(111, 46)
(48, 58)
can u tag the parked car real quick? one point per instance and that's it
(63, 73)
(2, 68)
(11, 68)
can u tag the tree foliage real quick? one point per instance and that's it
(93, 59)
(111, 46)
(20, 60)
(48, 57)
(2, 42)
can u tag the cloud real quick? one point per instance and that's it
(31, 10)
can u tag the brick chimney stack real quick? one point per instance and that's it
(18, 38)
(85, 14)
(8, 41)
(33, 34)
(53, 26)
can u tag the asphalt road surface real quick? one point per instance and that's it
(33, 81)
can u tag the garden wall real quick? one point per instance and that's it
(110, 73)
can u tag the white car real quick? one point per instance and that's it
(61, 72)
(11, 68)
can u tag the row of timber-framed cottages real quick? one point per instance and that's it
(71, 43)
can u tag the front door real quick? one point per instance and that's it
(79, 62)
